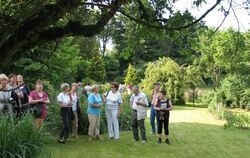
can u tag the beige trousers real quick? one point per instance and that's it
(94, 125)
(75, 124)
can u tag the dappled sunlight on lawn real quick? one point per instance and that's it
(194, 132)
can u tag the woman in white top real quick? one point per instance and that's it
(113, 100)
(74, 97)
(5, 95)
(65, 102)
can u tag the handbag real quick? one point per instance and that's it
(37, 110)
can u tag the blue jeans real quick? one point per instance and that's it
(152, 119)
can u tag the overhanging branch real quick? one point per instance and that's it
(171, 28)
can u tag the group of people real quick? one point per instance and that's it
(16, 96)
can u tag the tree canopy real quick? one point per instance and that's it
(26, 24)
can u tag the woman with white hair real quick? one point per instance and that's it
(65, 102)
(5, 95)
(94, 112)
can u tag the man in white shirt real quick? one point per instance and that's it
(139, 103)
(88, 89)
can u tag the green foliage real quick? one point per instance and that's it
(171, 76)
(232, 88)
(239, 120)
(131, 76)
(20, 138)
(245, 99)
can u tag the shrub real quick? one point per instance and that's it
(19, 138)
(245, 99)
(239, 120)
(232, 87)
(207, 97)
(171, 76)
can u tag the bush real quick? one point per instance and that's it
(19, 138)
(171, 76)
(207, 97)
(239, 120)
(232, 87)
(245, 99)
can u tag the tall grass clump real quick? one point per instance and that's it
(20, 138)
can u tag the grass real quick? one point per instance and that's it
(193, 132)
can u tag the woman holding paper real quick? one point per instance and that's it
(162, 107)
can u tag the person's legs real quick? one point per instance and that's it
(10, 110)
(97, 125)
(159, 129)
(166, 127)
(115, 123)
(152, 119)
(1, 109)
(109, 122)
(75, 125)
(39, 122)
(92, 122)
(64, 124)
(135, 125)
(141, 124)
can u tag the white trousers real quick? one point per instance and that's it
(113, 123)
(10, 109)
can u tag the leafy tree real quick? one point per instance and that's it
(131, 77)
(26, 24)
(171, 76)
(220, 55)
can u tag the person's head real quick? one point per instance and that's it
(74, 87)
(87, 83)
(19, 80)
(95, 88)
(114, 86)
(79, 84)
(39, 85)
(162, 94)
(136, 89)
(3, 80)
(13, 79)
(65, 87)
(157, 86)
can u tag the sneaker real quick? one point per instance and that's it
(111, 138)
(90, 139)
(159, 141)
(77, 137)
(99, 137)
(61, 141)
(143, 141)
(135, 140)
(167, 141)
(68, 140)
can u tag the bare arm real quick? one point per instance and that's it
(171, 105)
(32, 101)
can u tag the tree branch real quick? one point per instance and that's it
(171, 28)
(27, 36)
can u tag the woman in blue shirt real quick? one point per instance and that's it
(94, 112)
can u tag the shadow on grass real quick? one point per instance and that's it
(188, 140)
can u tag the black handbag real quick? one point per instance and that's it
(37, 110)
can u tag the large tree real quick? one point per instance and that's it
(27, 23)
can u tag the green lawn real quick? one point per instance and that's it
(194, 133)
